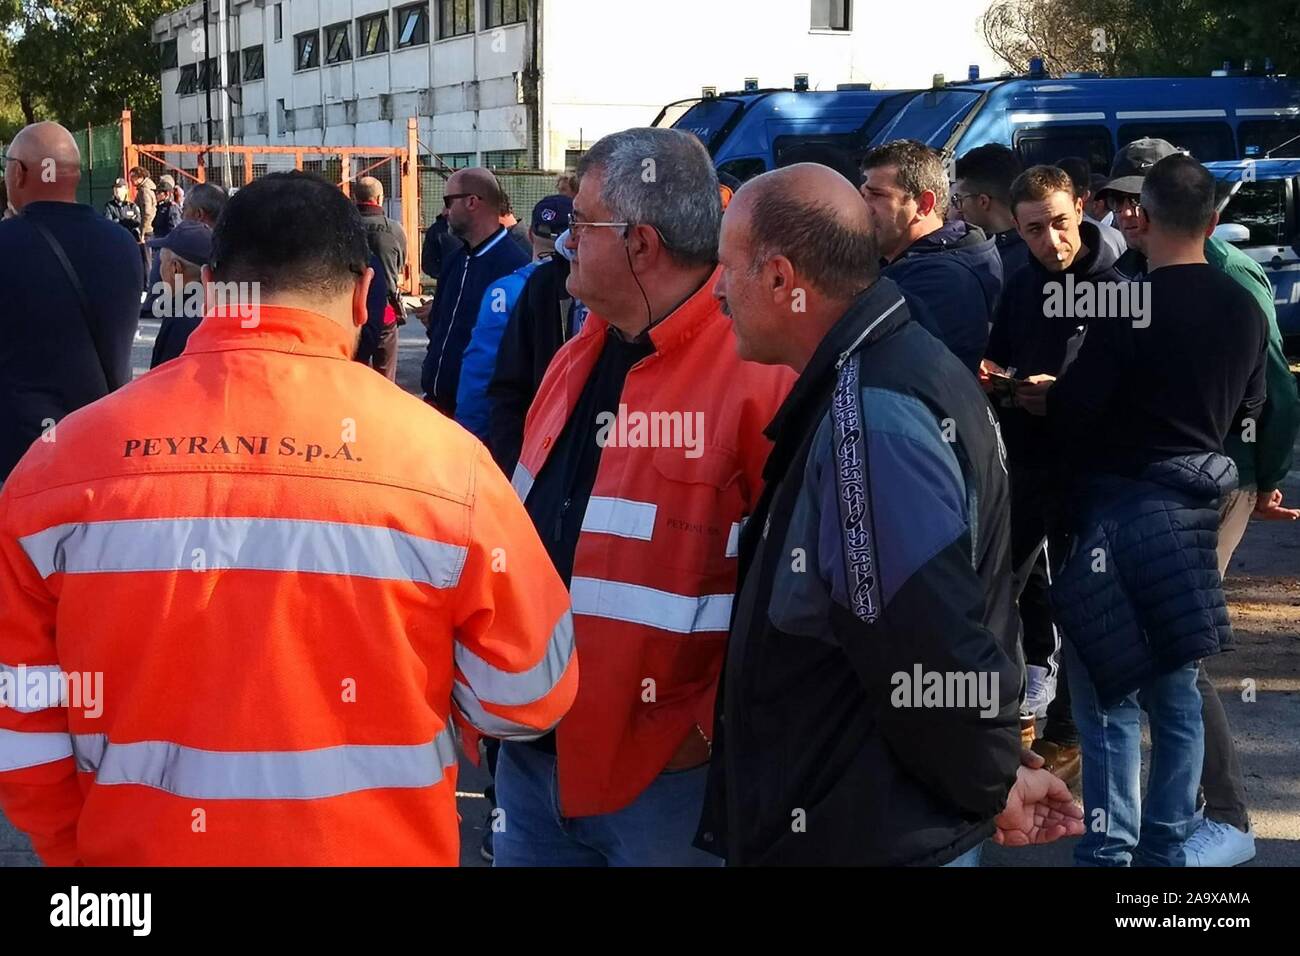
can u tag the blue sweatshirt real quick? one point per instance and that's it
(473, 409)
(464, 279)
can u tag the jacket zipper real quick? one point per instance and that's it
(442, 353)
(559, 520)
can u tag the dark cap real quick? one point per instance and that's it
(1134, 161)
(190, 240)
(551, 216)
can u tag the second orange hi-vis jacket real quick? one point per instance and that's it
(241, 600)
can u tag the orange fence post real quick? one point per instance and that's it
(297, 160)
(128, 148)
(411, 205)
(248, 167)
(345, 174)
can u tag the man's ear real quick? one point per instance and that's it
(360, 292)
(925, 203)
(1214, 223)
(779, 274)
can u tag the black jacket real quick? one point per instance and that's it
(48, 361)
(542, 321)
(439, 246)
(880, 548)
(126, 214)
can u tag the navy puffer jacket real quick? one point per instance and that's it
(1140, 594)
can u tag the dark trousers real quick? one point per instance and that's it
(377, 348)
(1221, 783)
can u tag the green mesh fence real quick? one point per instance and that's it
(101, 163)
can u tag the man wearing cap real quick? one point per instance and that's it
(377, 346)
(168, 214)
(122, 211)
(1263, 458)
(473, 406)
(179, 295)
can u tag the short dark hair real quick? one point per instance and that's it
(839, 260)
(919, 168)
(1080, 173)
(1038, 182)
(290, 231)
(1178, 195)
(991, 169)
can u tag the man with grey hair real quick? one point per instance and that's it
(642, 455)
(205, 202)
(949, 271)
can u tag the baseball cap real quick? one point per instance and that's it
(167, 181)
(551, 216)
(190, 239)
(1134, 161)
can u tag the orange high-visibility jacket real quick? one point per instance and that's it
(288, 573)
(655, 567)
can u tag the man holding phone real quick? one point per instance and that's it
(1036, 333)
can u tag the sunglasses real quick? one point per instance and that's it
(450, 198)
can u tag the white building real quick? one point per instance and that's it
(526, 83)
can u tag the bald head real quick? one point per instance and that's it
(813, 216)
(475, 213)
(44, 165)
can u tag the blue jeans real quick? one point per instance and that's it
(656, 829)
(1122, 829)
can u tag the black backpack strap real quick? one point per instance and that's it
(83, 300)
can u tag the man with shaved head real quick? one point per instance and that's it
(868, 706)
(387, 240)
(472, 198)
(72, 283)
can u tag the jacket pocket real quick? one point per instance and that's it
(700, 510)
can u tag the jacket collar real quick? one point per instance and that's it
(679, 326)
(876, 313)
(487, 243)
(271, 328)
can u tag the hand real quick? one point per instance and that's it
(422, 311)
(1269, 508)
(1039, 810)
(987, 366)
(693, 752)
(1032, 394)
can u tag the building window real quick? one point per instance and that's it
(254, 64)
(168, 54)
(189, 80)
(412, 25)
(455, 18)
(457, 160)
(505, 159)
(281, 118)
(207, 80)
(500, 13)
(232, 68)
(372, 34)
(338, 47)
(571, 159)
(279, 24)
(832, 14)
(307, 50)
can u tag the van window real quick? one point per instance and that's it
(1257, 137)
(1260, 207)
(1205, 141)
(1044, 145)
(744, 169)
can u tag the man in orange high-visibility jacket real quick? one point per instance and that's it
(642, 455)
(243, 598)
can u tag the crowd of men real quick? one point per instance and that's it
(850, 526)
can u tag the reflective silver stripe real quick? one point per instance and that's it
(508, 688)
(620, 516)
(14, 685)
(19, 750)
(1169, 114)
(264, 775)
(649, 606)
(488, 723)
(1268, 111)
(250, 544)
(1054, 117)
(733, 539)
(522, 482)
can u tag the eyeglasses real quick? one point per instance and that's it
(958, 198)
(1118, 203)
(7, 158)
(579, 226)
(450, 198)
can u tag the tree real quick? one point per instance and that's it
(1144, 37)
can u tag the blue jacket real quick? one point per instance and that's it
(465, 276)
(473, 409)
(1140, 594)
(952, 279)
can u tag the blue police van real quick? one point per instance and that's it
(1260, 214)
(1235, 115)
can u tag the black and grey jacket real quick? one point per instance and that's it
(878, 556)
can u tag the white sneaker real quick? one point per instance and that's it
(1218, 844)
(1040, 691)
